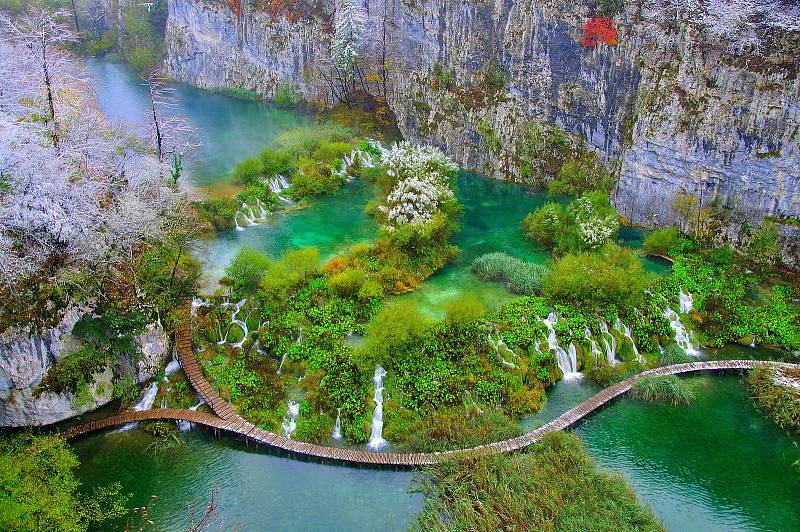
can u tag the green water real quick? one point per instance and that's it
(258, 491)
(228, 129)
(716, 465)
(332, 223)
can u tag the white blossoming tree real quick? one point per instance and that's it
(421, 175)
(594, 228)
(346, 47)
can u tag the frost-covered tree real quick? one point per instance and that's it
(76, 193)
(346, 46)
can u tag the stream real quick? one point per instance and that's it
(716, 465)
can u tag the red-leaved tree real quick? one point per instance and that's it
(599, 30)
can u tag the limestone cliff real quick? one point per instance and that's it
(701, 100)
(25, 360)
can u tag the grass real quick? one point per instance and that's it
(662, 388)
(519, 276)
(554, 485)
(673, 354)
(780, 403)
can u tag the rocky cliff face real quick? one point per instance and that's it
(699, 101)
(25, 359)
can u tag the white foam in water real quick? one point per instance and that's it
(289, 422)
(174, 365)
(686, 302)
(611, 348)
(376, 440)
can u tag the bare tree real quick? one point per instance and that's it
(172, 134)
(43, 35)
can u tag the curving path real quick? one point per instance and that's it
(226, 419)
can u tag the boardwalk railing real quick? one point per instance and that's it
(226, 419)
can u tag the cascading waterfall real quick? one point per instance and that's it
(174, 365)
(145, 403)
(289, 422)
(277, 185)
(501, 349)
(337, 427)
(682, 337)
(237, 307)
(251, 217)
(595, 349)
(611, 348)
(686, 302)
(567, 360)
(198, 303)
(280, 366)
(186, 426)
(376, 440)
(626, 330)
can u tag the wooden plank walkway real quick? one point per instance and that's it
(227, 420)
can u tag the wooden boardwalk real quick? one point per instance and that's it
(227, 420)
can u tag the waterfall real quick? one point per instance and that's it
(337, 427)
(376, 440)
(500, 348)
(197, 303)
(626, 330)
(146, 403)
(251, 217)
(186, 426)
(611, 349)
(280, 366)
(289, 422)
(682, 337)
(567, 361)
(686, 302)
(237, 307)
(595, 349)
(277, 185)
(173, 365)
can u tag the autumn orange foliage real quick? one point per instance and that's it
(599, 30)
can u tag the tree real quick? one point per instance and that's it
(40, 492)
(346, 46)
(172, 135)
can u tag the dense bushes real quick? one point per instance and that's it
(780, 403)
(40, 491)
(449, 428)
(580, 175)
(662, 388)
(661, 241)
(519, 276)
(614, 275)
(587, 223)
(552, 486)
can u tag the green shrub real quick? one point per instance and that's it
(674, 354)
(314, 428)
(75, 370)
(463, 309)
(519, 276)
(246, 171)
(276, 162)
(303, 262)
(662, 388)
(450, 428)
(581, 175)
(661, 241)
(330, 152)
(347, 283)
(763, 251)
(553, 485)
(218, 212)
(607, 375)
(393, 329)
(238, 93)
(305, 140)
(313, 178)
(780, 403)
(287, 95)
(40, 491)
(544, 225)
(614, 275)
(246, 270)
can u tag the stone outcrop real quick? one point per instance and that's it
(25, 360)
(703, 103)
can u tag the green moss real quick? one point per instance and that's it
(489, 136)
